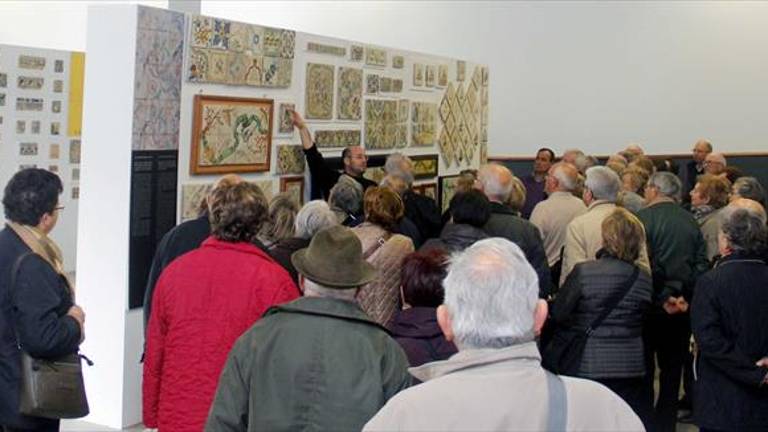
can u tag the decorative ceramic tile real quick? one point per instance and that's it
(442, 75)
(29, 83)
(424, 123)
(397, 85)
(385, 85)
(74, 151)
(54, 151)
(220, 34)
(75, 174)
(398, 62)
(272, 42)
(55, 128)
(383, 121)
(285, 125)
(34, 127)
(418, 75)
(375, 56)
(350, 93)
(319, 91)
(240, 37)
(28, 149)
(461, 70)
(218, 66)
(58, 86)
(290, 159)
(356, 53)
(337, 138)
(2, 99)
(29, 104)
(21, 126)
(202, 31)
(371, 84)
(58, 66)
(3, 80)
(75, 192)
(326, 49)
(31, 62)
(56, 106)
(239, 65)
(429, 76)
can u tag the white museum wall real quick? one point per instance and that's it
(594, 75)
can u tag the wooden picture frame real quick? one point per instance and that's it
(293, 185)
(424, 166)
(219, 125)
(446, 190)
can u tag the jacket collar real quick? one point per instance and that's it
(328, 307)
(255, 248)
(416, 322)
(599, 203)
(561, 194)
(521, 355)
(497, 207)
(740, 256)
(454, 231)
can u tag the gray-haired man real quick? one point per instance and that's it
(496, 381)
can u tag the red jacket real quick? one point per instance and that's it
(204, 301)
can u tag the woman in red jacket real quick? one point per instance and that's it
(203, 302)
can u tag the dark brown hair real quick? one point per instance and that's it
(383, 207)
(422, 277)
(237, 212)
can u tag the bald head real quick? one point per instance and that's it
(563, 177)
(715, 163)
(749, 205)
(497, 182)
(701, 149)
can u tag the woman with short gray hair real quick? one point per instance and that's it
(314, 216)
(731, 329)
(748, 187)
(346, 201)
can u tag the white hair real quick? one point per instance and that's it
(491, 292)
(313, 217)
(314, 289)
(603, 182)
(567, 182)
(491, 177)
(395, 166)
(667, 184)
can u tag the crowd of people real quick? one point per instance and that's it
(546, 302)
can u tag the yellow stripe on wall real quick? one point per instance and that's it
(76, 78)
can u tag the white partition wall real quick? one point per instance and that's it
(113, 334)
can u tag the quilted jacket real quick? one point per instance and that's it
(381, 298)
(203, 302)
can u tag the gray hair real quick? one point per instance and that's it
(314, 289)
(491, 293)
(667, 184)
(566, 181)
(497, 181)
(584, 162)
(744, 229)
(401, 166)
(603, 182)
(313, 217)
(346, 195)
(749, 187)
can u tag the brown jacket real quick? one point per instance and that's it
(381, 298)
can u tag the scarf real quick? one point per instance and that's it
(702, 211)
(43, 246)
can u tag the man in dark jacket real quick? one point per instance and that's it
(678, 256)
(695, 168)
(39, 308)
(323, 177)
(730, 323)
(316, 363)
(497, 185)
(421, 210)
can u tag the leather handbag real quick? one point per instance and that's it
(50, 388)
(563, 353)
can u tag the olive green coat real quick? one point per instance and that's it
(309, 365)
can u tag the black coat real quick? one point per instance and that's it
(181, 239)
(423, 211)
(417, 332)
(615, 348)
(689, 181)
(729, 317)
(282, 251)
(506, 223)
(37, 307)
(455, 238)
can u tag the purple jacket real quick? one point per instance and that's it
(417, 331)
(534, 194)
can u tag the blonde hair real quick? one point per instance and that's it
(623, 235)
(518, 195)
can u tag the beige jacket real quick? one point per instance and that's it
(584, 237)
(710, 226)
(499, 390)
(381, 298)
(552, 217)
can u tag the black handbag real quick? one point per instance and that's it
(50, 388)
(564, 350)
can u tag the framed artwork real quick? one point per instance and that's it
(375, 57)
(350, 94)
(285, 125)
(427, 189)
(424, 166)
(294, 187)
(231, 135)
(447, 188)
(461, 70)
(429, 75)
(418, 75)
(290, 159)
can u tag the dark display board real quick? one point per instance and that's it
(154, 179)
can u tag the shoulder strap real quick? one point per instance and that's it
(379, 243)
(558, 403)
(614, 301)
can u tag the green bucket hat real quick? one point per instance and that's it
(334, 259)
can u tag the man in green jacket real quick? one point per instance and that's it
(317, 363)
(678, 256)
